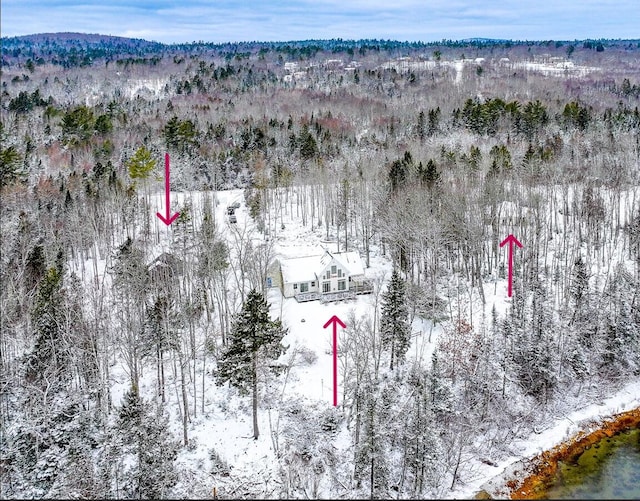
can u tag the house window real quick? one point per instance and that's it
(304, 287)
(342, 285)
(313, 284)
(295, 287)
(333, 269)
(326, 286)
(339, 272)
(328, 275)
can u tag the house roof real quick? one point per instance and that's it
(308, 268)
(300, 269)
(166, 259)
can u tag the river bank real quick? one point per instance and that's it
(544, 467)
(568, 431)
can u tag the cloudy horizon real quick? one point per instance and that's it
(405, 20)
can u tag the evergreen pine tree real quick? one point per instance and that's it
(579, 282)
(49, 442)
(543, 365)
(434, 121)
(307, 143)
(141, 164)
(49, 353)
(131, 282)
(9, 166)
(421, 125)
(143, 450)
(372, 452)
(440, 390)
(534, 349)
(255, 340)
(160, 336)
(131, 275)
(423, 446)
(35, 267)
(396, 332)
(399, 172)
(582, 318)
(432, 174)
(621, 332)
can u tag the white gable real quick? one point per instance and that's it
(351, 262)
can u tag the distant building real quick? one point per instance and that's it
(164, 268)
(327, 277)
(333, 64)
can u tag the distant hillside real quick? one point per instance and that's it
(81, 38)
(72, 49)
(83, 49)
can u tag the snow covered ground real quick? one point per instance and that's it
(225, 424)
(549, 67)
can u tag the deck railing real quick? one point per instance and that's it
(307, 296)
(356, 288)
(364, 287)
(337, 296)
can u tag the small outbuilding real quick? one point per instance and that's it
(164, 268)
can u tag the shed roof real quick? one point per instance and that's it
(166, 260)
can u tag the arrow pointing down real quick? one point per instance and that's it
(167, 194)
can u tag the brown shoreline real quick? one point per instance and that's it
(545, 465)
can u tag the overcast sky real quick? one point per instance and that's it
(413, 20)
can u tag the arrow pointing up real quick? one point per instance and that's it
(510, 240)
(335, 321)
(167, 194)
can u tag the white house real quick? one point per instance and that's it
(328, 277)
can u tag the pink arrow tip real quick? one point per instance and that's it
(168, 220)
(510, 239)
(335, 320)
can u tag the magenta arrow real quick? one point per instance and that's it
(167, 194)
(335, 321)
(510, 240)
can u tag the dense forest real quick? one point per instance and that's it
(121, 365)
